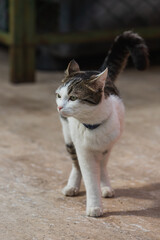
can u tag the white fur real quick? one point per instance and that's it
(90, 144)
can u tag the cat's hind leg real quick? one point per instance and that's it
(74, 181)
(106, 189)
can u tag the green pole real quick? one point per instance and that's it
(22, 52)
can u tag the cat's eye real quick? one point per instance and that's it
(73, 98)
(58, 95)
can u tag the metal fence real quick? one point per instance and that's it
(82, 15)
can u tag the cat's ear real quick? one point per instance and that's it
(101, 78)
(72, 67)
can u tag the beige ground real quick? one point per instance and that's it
(34, 165)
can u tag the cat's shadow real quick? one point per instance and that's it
(149, 192)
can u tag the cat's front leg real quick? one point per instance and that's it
(74, 181)
(90, 168)
(106, 189)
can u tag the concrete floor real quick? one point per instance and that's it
(34, 165)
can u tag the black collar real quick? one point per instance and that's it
(91, 127)
(94, 126)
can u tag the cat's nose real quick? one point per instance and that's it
(59, 108)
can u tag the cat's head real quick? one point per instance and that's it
(80, 92)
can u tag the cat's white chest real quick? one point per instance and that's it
(99, 139)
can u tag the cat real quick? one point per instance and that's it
(92, 117)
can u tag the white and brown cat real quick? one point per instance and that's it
(92, 115)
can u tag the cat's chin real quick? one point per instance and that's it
(65, 115)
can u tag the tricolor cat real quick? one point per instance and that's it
(92, 116)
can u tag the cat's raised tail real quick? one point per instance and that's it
(126, 44)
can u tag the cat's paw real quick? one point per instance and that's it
(107, 192)
(94, 212)
(70, 191)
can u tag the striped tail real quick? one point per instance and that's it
(126, 44)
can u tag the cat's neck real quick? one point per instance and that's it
(98, 114)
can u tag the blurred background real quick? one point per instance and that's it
(46, 34)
